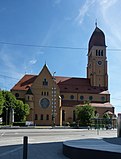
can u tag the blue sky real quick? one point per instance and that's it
(66, 23)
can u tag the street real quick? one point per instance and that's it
(43, 143)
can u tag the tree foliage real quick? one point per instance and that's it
(1, 102)
(21, 110)
(84, 114)
(8, 102)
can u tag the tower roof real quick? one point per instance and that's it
(97, 38)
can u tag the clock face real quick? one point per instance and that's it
(99, 62)
(44, 103)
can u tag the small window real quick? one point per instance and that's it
(99, 52)
(28, 97)
(41, 117)
(90, 97)
(47, 117)
(17, 95)
(71, 97)
(36, 117)
(47, 93)
(103, 99)
(42, 93)
(81, 97)
(45, 82)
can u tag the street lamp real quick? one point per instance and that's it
(53, 101)
(97, 117)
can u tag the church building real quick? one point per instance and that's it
(53, 99)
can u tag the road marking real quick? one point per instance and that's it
(2, 133)
(11, 151)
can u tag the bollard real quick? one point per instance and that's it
(119, 125)
(25, 147)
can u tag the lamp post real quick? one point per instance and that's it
(6, 116)
(97, 117)
(53, 101)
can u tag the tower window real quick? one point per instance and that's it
(96, 52)
(99, 52)
(103, 99)
(102, 53)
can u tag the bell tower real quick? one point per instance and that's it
(97, 60)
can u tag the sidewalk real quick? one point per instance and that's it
(107, 148)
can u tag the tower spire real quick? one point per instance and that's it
(96, 23)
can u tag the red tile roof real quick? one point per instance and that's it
(79, 85)
(25, 82)
(66, 84)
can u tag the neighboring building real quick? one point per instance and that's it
(52, 99)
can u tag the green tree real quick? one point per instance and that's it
(84, 114)
(1, 102)
(21, 110)
(106, 119)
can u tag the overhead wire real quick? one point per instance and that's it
(51, 46)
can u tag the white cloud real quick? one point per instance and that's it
(33, 61)
(106, 4)
(84, 10)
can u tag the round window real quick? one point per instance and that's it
(44, 103)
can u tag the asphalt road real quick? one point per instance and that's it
(43, 143)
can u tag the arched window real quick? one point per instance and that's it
(36, 117)
(41, 117)
(62, 96)
(45, 82)
(102, 53)
(47, 117)
(90, 97)
(81, 97)
(96, 52)
(63, 115)
(74, 115)
(16, 95)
